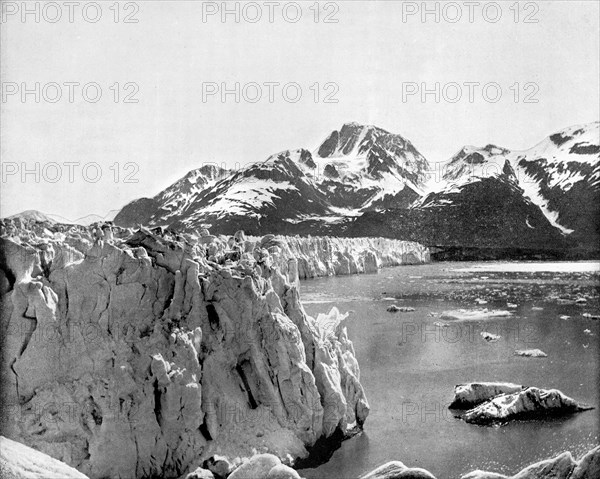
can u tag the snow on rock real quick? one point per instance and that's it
(529, 403)
(468, 395)
(18, 461)
(146, 353)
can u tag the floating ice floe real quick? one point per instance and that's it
(489, 337)
(531, 353)
(474, 315)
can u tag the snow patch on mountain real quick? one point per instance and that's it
(246, 197)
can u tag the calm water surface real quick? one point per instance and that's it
(409, 365)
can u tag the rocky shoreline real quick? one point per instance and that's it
(18, 461)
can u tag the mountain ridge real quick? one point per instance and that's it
(364, 180)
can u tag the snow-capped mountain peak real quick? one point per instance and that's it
(366, 150)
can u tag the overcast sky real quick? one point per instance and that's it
(368, 59)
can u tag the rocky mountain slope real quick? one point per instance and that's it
(355, 169)
(545, 198)
(34, 215)
(132, 353)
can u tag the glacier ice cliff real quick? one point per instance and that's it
(139, 353)
(332, 256)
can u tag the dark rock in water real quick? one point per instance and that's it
(403, 309)
(531, 403)
(562, 466)
(397, 470)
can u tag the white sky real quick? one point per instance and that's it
(369, 53)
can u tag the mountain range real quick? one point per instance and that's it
(546, 198)
(52, 218)
(356, 169)
(365, 181)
